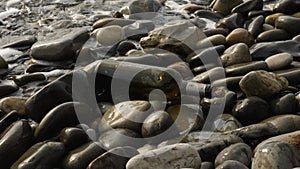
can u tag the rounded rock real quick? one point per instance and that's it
(240, 35)
(279, 61)
(110, 35)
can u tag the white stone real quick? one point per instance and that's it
(110, 35)
(279, 61)
(168, 157)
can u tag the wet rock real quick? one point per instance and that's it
(209, 55)
(291, 75)
(28, 78)
(68, 135)
(7, 120)
(208, 14)
(262, 84)
(112, 22)
(210, 32)
(17, 42)
(248, 6)
(244, 68)
(235, 54)
(273, 35)
(225, 6)
(179, 37)
(240, 35)
(193, 116)
(141, 6)
(286, 104)
(232, 164)
(256, 26)
(119, 138)
(41, 155)
(60, 47)
(232, 83)
(289, 24)
(251, 110)
(9, 104)
(64, 115)
(226, 123)
(14, 141)
(211, 147)
(82, 156)
(110, 35)
(240, 152)
(130, 115)
(168, 157)
(263, 50)
(272, 18)
(272, 126)
(114, 159)
(51, 95)
(231, 22)
(279, 61)
(287, 6)
(276, 155)
(207, 165)
(215, 40)
(6, 89)
(210, 75)
(156, 123)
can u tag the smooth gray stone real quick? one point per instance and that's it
(60, 47)
(263, 50)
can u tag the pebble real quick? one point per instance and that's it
(263, 50)
(69, 134)
(244, 68)
(9, 104)
(289, 24)
(17, 42)
(129, 115)
(279, 61)
(60, 47)
(240, 152)
(8, 119)
(10, 149)
(64, 115)
(262, 83)
(156, 123)
(227, 122)
(41, 155)
(110, 35)
(277, 155)
(251, 110)
(225, 6)
(168, 157)
(182, 43)
(248, 6)
(214, 145)
(273, 35)
(82, 156)
(141, 6)
(287, 6)
(256, 26)
(270, 19)
(235, 54)
(240, 35)
(111, 22)
(286, 104)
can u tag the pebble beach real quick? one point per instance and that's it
(149, 84)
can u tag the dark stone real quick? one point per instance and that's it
(14, 141)
(273, 35)
(24, 79)
(231, 22)
(244, 68)
(287, 6)
(82, 156)
(261, 51)
(251, 110)
(289, 24)
(256, 26)
(248, 6)
(232, 164)
(286, 104)
(125, 46)
(64, 115)
(7, 120)
(69, 135)
(46, 155)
